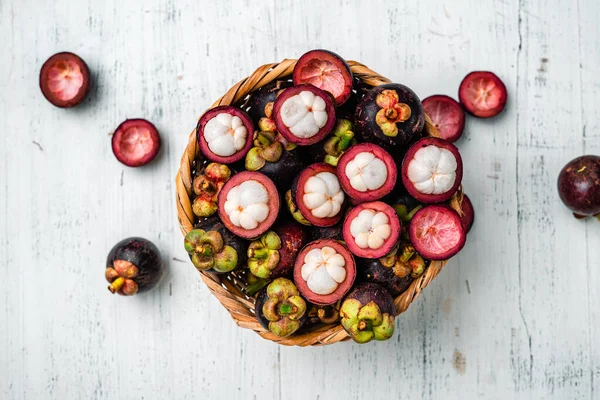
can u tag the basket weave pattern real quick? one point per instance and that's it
(228, 288)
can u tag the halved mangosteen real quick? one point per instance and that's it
(274, 253)
(207, 184)
(279, 308)
(371, 230)
(304, 114)
(324, 271)
(437, 232)
(316, 197)
(390, 116)
(482, 94)
(225, 134)
(432, 170)
(447, 116)
(367, 172)
(136, 142)
(64, 79)
(327, 71)
(249, 204)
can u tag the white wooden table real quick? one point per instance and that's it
(515, 316)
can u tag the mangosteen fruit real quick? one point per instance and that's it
(468, 213)
(316, 197)
(249, 204)
(215, 233)
(270, 156)
(390, 116)
(367, 172)
(324, 271)
(437, 232)
(327, 71)
(333, 146)
(261, 102)
(274, 253)
(135, 142)
(64, 80)
(432, 170)
(395, 271)
(579, 186)
(224, 134)
(371, 230)
(304, 114)
(329, 314)
(207, 184)
(279, 308)
(482, 94)
(133, 265)
(368, 312)
(447, 116)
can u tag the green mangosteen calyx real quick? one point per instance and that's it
(391, 112)
(207, 186)
(121, 277)
(284, 308)
(404, 213)
(366, 322)
(329, 314)
(340, 139)
(263, 254)
(208, 251)
(404, 261)
(294, 209)
(266, 149)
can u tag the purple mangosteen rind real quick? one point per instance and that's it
(390, 116)
(208, 116)
(279, 308)
(368, 313)
(395, 228)
(579, 186)
(273, 204)
(327, 232)
(274, 253)
(329, 57)
(285, 131)
(213, 248)
(290, 163)
(296, 204)
(467, 213)
(342, 287)
(408, 158)
(453, 219)
(368, 195)
(133, 265)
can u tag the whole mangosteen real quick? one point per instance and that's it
(279, 308)
(579, 186)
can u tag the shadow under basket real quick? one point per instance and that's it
(228, 288)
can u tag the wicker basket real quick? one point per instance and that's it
(228, 288)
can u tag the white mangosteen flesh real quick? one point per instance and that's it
(247, 204)
(225, 134)
(304, 114)
(432, 170)
(323, 270)
(370, 229)
(323, 195)
(366, 172)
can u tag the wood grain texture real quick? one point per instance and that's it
(515, 315)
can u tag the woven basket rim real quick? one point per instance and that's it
(225, 287)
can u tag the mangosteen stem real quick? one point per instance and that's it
(286, 309)
(255, 287)
(413, 212)
(391, 113)
(365, 325)
(116, 285)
